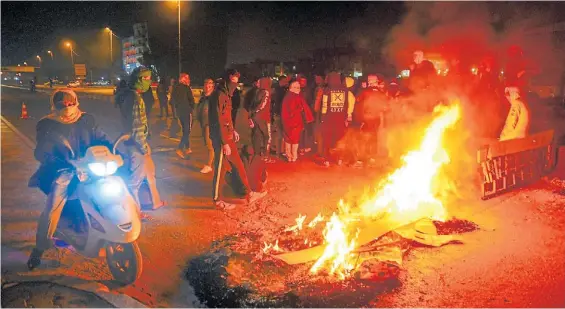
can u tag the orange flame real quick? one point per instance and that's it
(298, 226)
(408, 194)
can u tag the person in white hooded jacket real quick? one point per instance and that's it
(518, 119)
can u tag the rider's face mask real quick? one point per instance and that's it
(66, 108)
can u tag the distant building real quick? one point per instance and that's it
(345, 60)
(134, 46)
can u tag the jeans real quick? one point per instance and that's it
(49, 219)
(186, 124)
(142, 168)
(278, 140)
(163, 106)
(307, 136)
(208, 143)
(333, 130)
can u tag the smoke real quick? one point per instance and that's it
(468, 31)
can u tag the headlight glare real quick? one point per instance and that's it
(99, 169)
(111, 188)
(103, 169)
(111, 167)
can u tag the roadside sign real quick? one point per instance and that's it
(80, 69)
(19, 69)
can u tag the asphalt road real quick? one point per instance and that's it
(515, 260)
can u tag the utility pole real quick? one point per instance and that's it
(178, 8)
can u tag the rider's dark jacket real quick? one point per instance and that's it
(53, 155)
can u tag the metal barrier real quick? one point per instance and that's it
(510, 164)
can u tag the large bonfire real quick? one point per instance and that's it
(404, 196)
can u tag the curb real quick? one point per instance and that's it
(116, 299)
(27, 141)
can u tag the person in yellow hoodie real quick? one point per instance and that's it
(518, 119)
(336, 114)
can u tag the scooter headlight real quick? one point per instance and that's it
(103, 169)
(111, 188)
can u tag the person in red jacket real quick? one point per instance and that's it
(295, 113)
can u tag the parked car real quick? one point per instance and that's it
(73, 84)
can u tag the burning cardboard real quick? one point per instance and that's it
(405, 197)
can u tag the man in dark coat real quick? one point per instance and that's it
(260, 115)
(224, 138)
(183, 101)
(55, 174)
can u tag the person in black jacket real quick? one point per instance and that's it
(55, 173)
(163, 100)
(183, 101)
(224, 138)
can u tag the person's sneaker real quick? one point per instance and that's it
(143, 216)
(221, 205)
(155, 207)
(188, 151)
(206, 169)
(255, 196)
(180, 153)
(34, 259)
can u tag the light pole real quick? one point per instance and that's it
(178, 12)
(25, 63)
(50, 53)
(178, 8)
(38, 58)
(111, 53)
(72, 57)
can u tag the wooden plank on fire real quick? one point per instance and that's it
(366, 234)
(503, 148)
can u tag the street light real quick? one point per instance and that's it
(111, 54)
(178, 9)
(25, 63)
(72, 57)
(50, 53)
(38, 58)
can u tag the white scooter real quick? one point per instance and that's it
(108, 215)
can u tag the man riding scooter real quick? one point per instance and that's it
(53, 177)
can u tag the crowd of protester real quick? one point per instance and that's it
(331, 120)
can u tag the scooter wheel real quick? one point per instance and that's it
(125, 262)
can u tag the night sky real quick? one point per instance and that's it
(219, 33)
(273, 30)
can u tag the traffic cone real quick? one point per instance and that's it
(24, 114)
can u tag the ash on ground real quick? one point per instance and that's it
(236, 273)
